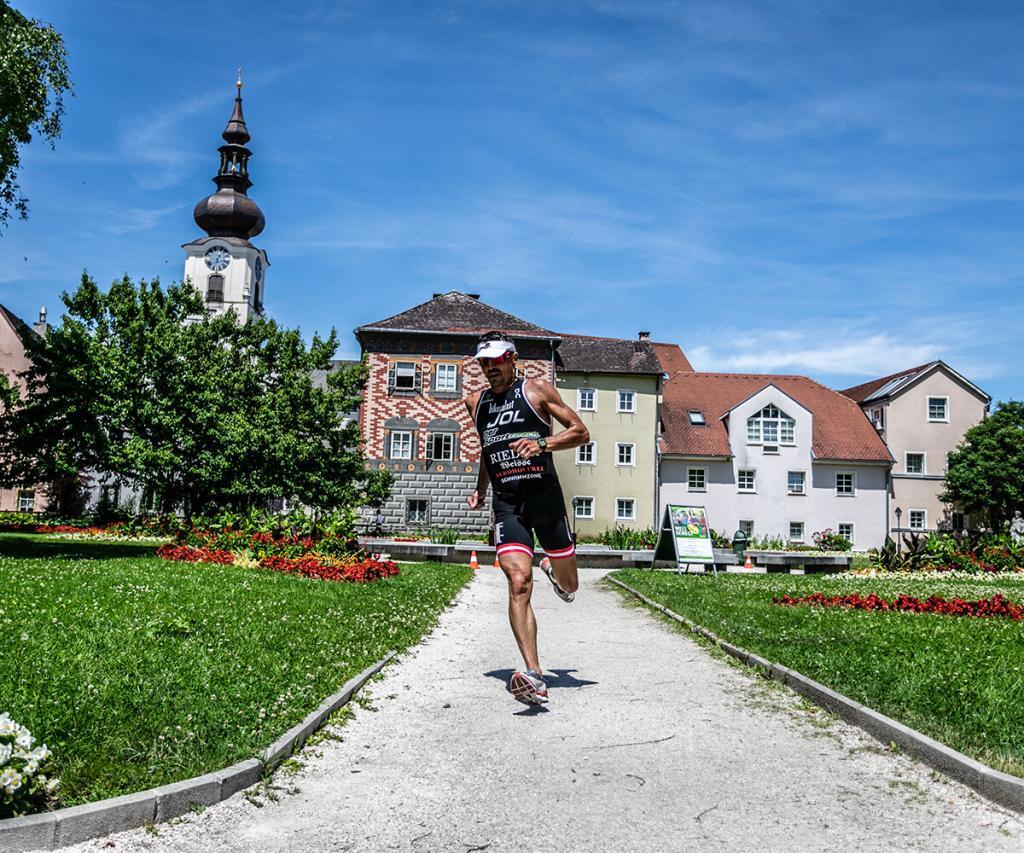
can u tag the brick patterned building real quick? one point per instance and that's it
(414, 423)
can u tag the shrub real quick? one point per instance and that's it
(623, 538)
(443, 535)
(26, 780)
(829, 540)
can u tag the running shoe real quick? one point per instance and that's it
(545, 566)
(528, 687)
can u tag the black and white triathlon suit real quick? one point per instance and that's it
(527, 496)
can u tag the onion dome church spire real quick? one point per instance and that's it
(223, 265)
(229, 212)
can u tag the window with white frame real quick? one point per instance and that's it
(697, 479)
(746, 479)
(747, 527)
(626, 401)
(877, 417)
(403, 376)
(938, 409)
(584, 506)
(417, 511)
(846, 483)
(625, 509)
(771, 427)
(625, 454)
(586, 399)
(26, 500)
(585, 454)
(845, 529)
(401, 445)
(915, 463)
(796, 482)
(796, 531)
(441, 447)
(446, 377)
(918, 519)
(696, 417)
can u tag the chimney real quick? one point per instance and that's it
(644, 336)
(40, 327)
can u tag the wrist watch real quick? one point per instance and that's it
(542, 443)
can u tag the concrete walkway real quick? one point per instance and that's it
(650, 743)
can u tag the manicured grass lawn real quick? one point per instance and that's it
(958, 680)
(137, 671)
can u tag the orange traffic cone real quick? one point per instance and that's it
(497, 565)
(473, 562)
(748, 564)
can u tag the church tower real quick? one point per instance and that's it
(224, 266)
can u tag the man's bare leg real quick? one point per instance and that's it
(564, 570)
(518, 569)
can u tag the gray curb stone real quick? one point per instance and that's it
(999, 787)
(34, 832)
(117, 814)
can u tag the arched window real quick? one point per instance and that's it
(215, 289)
(771, 427)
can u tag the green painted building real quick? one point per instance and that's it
(616, 387)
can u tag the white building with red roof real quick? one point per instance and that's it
(773, 455)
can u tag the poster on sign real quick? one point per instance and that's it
(685, 537)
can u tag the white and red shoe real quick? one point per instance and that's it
(528, 687)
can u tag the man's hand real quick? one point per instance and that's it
(475, 499)
(525, 447)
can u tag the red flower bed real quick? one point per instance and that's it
(997, 605)
(188, 554)
(331, 570)
(321, 568)
(56, 528)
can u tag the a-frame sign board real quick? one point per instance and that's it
(685, 537)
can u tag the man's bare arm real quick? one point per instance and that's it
(544, 397)
(477, 496)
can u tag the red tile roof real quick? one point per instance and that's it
(841, 430)
(671, 357)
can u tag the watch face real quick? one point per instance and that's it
(217, 259)
(258, 269)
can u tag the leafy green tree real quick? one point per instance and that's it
(33, 80)
(196, 411)
(986, 471)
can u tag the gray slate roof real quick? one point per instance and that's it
(320, 376)
(457, 313)
(585, 354)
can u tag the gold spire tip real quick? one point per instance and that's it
(238, 82)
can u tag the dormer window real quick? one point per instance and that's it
(696, 417)
(771, 427)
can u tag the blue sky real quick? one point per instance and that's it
(827, 188)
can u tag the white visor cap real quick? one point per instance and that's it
(494, 349)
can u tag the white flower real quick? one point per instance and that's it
(10, 779)
(7, 726)
(5, 752)
(52, 785)
(30, 768)
(25, 739)
(40, 753)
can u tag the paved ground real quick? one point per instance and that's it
(650, 743)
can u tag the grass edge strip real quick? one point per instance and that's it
(74, 824)
(993, 784)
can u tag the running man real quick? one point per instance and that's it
(513, 417)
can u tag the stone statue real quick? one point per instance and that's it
(1017, 528)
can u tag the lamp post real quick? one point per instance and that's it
(575, 501)
(899, 538)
